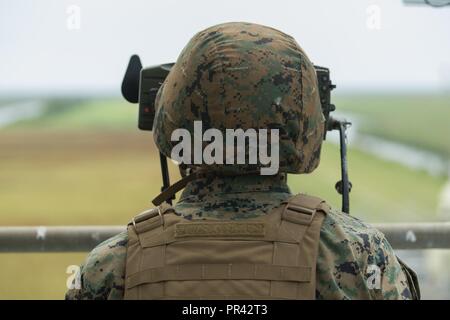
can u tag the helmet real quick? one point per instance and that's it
(248, 76)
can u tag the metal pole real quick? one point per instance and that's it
(165, 175)
(425, 235)
(85, 238)
(55, 239)
(344, 169)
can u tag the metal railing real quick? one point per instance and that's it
(85, 238)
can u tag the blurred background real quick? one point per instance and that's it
(71, 153)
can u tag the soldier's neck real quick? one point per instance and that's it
(236, 197)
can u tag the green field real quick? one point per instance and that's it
(85, 163)
(422, 121)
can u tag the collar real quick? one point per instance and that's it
(232, 197)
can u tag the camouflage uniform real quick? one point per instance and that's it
(241, 75)
(347, 247)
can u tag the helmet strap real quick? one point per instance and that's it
(170, 191)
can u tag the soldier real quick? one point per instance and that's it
(235, 233)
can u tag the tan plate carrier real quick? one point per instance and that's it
(271, 257)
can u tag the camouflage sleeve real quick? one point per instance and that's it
(357, 262)
(103, 273)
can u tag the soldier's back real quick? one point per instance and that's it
(355, 261)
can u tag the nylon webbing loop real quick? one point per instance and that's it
(220, 272)
(301, 209)
(150, 219)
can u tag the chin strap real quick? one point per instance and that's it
(170, 191)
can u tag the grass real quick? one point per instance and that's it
(382, 191)
(68, 178)
(417, 120)
(75, 114)
(36, 275)
(63, 178)
(87, 164)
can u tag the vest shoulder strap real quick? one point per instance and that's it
(150, 219)
(302, 208)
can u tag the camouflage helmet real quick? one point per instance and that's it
(244, 75)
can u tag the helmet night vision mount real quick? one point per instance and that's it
(140, 85)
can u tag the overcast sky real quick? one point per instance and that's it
(368, 44)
